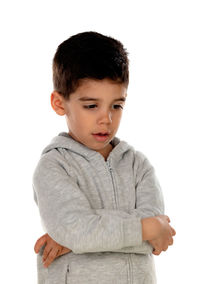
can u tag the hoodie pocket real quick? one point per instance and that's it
(98, 268)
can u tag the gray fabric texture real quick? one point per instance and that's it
(95, 207)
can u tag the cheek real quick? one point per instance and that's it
(117, 117)
(83, 119)
(83, 116)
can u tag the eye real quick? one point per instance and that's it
(90, 106)
(94, 106)
(118, 106)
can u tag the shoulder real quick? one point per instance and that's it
(140, 162)
(51, 162)
(138, 156)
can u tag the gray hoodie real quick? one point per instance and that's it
(95, 207)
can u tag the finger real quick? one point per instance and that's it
(171, 241)
(165, 248)
(156, 252)
(39, 243)
(46, 252)
(64, 250)
(51, 256)
(58, 252)
(173, 232)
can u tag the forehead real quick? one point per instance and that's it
(99, 89)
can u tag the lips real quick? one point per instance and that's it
(102, 133)
(101, 136)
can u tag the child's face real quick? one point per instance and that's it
(95, 107)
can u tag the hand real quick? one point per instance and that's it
(165, 237)
(52, 249)
(159, 246)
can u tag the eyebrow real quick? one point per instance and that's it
(83, 99)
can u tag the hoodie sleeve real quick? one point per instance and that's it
(143, 248)
(67, 217)
(149, 198)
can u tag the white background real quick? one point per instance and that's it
(161, 117)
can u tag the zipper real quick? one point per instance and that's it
(130, 272)
(130, 268)
(115, 192)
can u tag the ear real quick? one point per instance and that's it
(57, 103)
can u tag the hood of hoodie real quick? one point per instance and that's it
(64, 140)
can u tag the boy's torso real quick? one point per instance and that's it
(107, 185)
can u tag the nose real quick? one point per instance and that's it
(105, 117)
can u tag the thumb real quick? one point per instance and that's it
(39, 243)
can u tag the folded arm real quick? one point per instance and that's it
(68, 218)
(149, 198)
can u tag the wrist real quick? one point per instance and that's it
(150, 228)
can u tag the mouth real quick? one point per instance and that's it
(101, 133)
(101, 136)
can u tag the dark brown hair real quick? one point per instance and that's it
(88, 55)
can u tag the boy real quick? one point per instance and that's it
(99, 200)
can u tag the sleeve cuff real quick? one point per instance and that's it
(133, 232)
